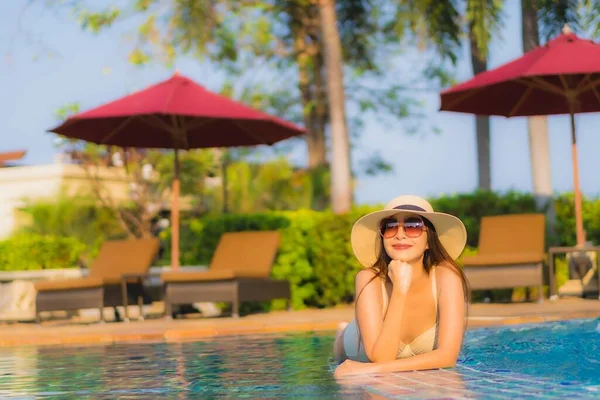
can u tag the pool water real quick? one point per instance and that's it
(554, 360)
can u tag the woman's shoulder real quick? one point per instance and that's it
(447, 273)
(366, 276)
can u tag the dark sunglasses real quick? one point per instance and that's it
(413, 227)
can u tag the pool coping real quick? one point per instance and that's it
(277, 322)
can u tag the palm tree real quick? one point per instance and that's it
(440, 22)
(341, 176)
(537, 126)
(483, 20)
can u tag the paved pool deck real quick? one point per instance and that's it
(86, 332)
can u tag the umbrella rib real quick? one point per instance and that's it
(463, 97)
(570, 94)
(155, 122)
(521, 100)
(179, 132)
(542, 84)
(595, 91)
(563, 80)
(198, 123)
(591, 85)
(250, 134)
(578, 89)
(117, 130)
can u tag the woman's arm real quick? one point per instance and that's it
(450, 334)
(380, 335)
(452, 312)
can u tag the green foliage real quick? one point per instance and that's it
(274, 185)
(32, 252)
(429, 21)
(282, 41)
(590, 16)
(67, 110)
(332, 258)
(564, 206)
(76, 218)
(315, 253)
(95, 21)
(554, 14)
(195, 166)
(485, 20)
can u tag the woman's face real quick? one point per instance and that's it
(404, 237)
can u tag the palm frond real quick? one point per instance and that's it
(554, 14)
(485, 18)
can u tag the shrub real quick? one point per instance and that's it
(76, 217)
(315, 253)
(31, 252)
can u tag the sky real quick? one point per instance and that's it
(47, 61)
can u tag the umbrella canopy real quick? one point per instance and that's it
(176, 114)
(560, 77)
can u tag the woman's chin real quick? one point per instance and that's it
(404, 256)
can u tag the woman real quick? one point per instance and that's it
(411, 297)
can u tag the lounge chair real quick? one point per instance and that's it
(102, 287)
(511, 253)
(239, 271)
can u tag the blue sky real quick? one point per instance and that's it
(47, 62)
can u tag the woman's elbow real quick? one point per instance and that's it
(448, 360)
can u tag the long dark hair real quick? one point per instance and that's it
(435, 255)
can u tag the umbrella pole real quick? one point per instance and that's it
(224, 180)
(175, 216)
(576, 190)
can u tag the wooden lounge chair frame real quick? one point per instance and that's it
(102, 287)
(239, 271)
(511, 253)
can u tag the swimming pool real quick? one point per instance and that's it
(554, 360)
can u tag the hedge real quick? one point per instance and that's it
(31, 252)
(315, 253)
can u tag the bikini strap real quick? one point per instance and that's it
(434, 288)
(384, 297)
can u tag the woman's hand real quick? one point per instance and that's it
(349, 367)
(400, 273)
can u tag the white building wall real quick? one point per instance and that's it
(44, 182)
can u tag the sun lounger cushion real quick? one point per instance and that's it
(176, 276)
(67, 284)
(503, 259)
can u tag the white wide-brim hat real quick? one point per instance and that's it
(365, 237)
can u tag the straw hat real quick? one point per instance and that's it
(365, 235)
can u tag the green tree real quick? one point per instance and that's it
(440, 24)
(282, 38)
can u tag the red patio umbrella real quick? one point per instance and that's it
(176, 114)
(560, 77)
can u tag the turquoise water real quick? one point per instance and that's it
(555, 360)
